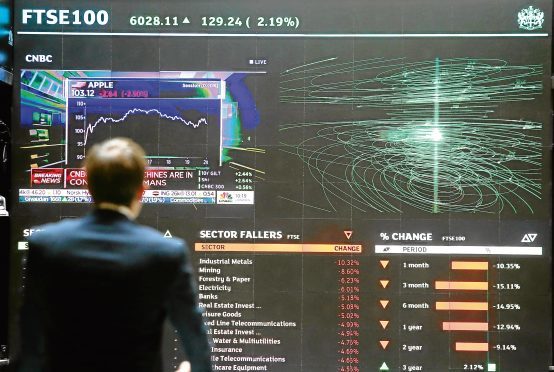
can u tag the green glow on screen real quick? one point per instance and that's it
(431, 140)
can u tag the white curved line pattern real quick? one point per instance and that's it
(429, 135)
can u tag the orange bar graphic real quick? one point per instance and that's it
(462, 286)
(472, 346)
(469, 265)
(465, 326)
(470, 306)
(278, 248)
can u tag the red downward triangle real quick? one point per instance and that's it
(384, 344)
(348, 234)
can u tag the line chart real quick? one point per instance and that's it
(431, 140)
(90, 127)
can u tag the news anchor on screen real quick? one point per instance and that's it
(99, 287)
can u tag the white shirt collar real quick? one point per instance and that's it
(124, 210)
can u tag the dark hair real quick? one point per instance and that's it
(115, 171)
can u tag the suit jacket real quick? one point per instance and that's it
(98, 290)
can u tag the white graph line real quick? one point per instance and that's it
(103, 120)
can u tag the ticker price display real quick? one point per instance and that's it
(98, 18)
(363, 186)
(217, 21)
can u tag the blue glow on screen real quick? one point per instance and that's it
(4, 16)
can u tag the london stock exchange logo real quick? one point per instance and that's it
(530, 18)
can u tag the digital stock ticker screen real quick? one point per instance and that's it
(364, 185)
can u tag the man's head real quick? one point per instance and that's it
(115, 171)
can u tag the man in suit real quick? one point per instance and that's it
(99, 287)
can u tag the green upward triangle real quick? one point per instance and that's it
(384, 367)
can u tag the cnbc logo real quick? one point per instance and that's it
(530, 18)
(225, 197)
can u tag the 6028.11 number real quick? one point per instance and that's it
(155, 21)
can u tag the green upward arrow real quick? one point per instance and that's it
(384, 367)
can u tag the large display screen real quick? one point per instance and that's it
(364, 185)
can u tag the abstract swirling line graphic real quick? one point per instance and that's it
(431, 141)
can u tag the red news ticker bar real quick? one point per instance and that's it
(462, 306)
(465, 326)
(472, 346)
(469, 265)
(462, 286)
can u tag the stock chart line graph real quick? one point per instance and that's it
(138, 111)
(197, 129)
(177, 131)
(186, 119)
(431, 141)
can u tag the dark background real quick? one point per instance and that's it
(287, 176)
